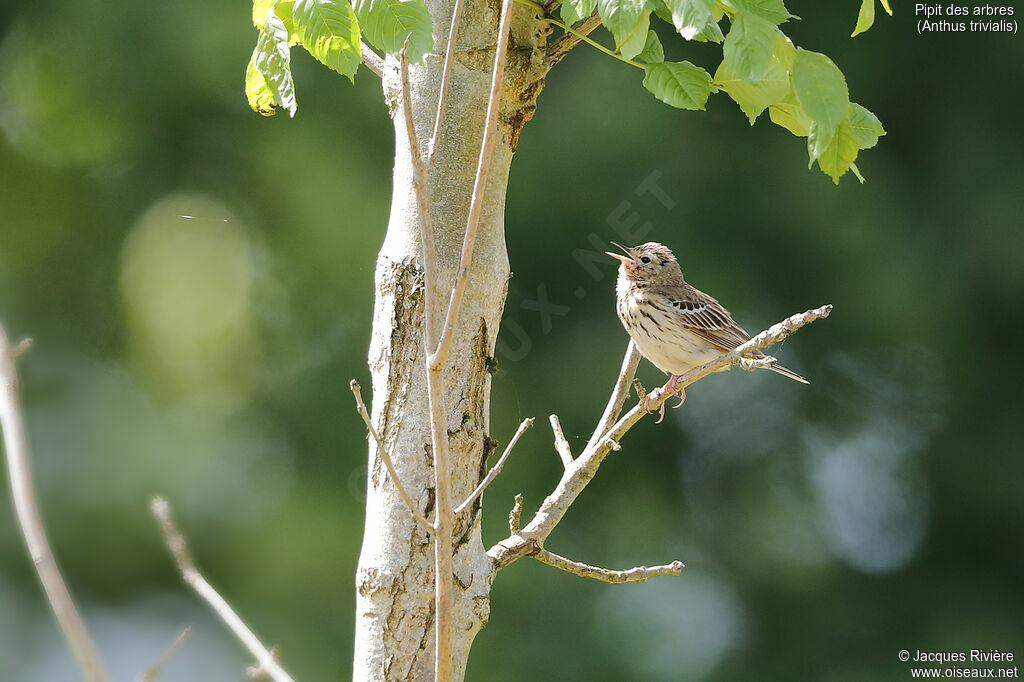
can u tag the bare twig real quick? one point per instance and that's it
(561, 444)
(386, 458)
(437, 359)
(496, 469)
(619, 393)
(560, 48)
(372, 60)
(449, 57)
(633, 575)
(193, 578)
(152, 671)
(575, 479)
(26, 508)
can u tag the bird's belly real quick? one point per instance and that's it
(668, 346)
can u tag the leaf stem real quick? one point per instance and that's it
(569, 29)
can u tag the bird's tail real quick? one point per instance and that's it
(788, 373)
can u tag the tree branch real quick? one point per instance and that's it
(386, 458)
(373, 61)
(532, 537)
(561, 444)
(560, 48)
(449, 57)
(496, 469)
(437, 359)
(26, 507)
(193, 578)
(154, 670)
(619, 393)
(633, 575)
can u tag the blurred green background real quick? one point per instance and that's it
(198, 282)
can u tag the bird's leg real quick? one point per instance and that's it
(671, 386)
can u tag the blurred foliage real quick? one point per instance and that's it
(198, 281)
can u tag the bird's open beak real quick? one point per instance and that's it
(628, 259)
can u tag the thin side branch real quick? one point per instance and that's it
(614, 407)
(373, 61)
(496, 469)
(154, 670)
(26, 507)
(193, 578)
(446, 70)
(560, 48)
(438, 357)
(561, 444)
(515, 515)
(639, 574)
(532, 537)
(386, 458)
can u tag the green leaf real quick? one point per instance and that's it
(748, 47)
(577, 10)
(259, 11)
(865, 126)
(840, 153)
(386, 23)
(329, 30)
(772, 10)
(679, 84)
(820, 87)
(634, 41)
(272, 60)
(885, 6)
(771, 87)
(653, 51)
(694, 19)
(865, 18)
(257, 90)
(621, 17)
(784, 51)
(752, 112)
(790, 115)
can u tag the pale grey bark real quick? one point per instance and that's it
(395, 581)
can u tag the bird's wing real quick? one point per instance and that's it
(704, 316)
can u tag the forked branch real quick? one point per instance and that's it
(26, 508)
(611, 429)
(267, 661)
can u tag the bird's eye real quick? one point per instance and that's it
(645, 259)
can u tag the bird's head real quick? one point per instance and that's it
(651, 263)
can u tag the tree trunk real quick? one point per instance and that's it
(395, 580)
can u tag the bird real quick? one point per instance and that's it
(676, 326)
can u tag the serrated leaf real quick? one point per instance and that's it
(634, 41)
(784, 51)
(820, 87)
(272, 60)
(257, 90)
(885, 6)
(620, 17)
(772, 10)
(819, 137)
(386, 23)
(653, 51)
(329, 30)
(752, 112)
(840, 153)
(748, 46)
(865, 18)
(259, 11)
(678, 84)
(577, 10)
(865, 126)
(790, 115)
(692, 17)
(771, 87)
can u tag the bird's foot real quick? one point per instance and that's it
(670, 387)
